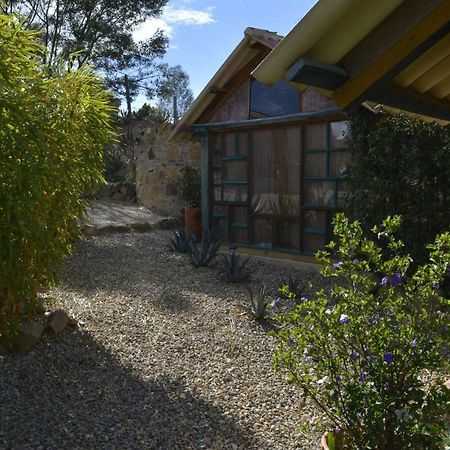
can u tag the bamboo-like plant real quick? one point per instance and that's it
(53, 129)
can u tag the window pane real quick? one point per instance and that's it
(263, 233)
(235, 170)
(218, 194)
(316, 136)
(343, 188)
(316, 164)
(319, 193)
(239, 235)
(288, 235)
(313, 242)
(217, 176)
(230, 144)
(243, 144)
(339, 163)
(339, 132)
(276, 100)
(221, 229)
(239, 215)
(315, 219)
(235, 193)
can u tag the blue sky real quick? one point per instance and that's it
(204, 32)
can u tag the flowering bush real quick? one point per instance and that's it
(373, 352)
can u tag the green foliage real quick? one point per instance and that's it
(401, 165)
(179, 243)
(292, 289)
(202, 254)
(52, 135)
(236, 270)
(189, 186)
(373, 352)
(259, 303)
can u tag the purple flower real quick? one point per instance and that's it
(304, 299)
(276, 303)
(389, 357)
(355, 261)
(354, 355)
(384, 281)
(338, 265)
(293, 341)
(396, 279)
(436, 285)
(344, 319)
(414, 343)
(362, 378)
(328, 311)
(338, 379)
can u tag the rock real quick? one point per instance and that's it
(141, 227)
(169, 223)
(28, 336)
(90, 230)
(58, 321)
(117, 196)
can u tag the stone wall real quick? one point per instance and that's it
(158, 162)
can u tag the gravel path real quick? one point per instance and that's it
(163, 358)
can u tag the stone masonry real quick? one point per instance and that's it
(158, 162)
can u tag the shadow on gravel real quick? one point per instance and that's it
(72, 393)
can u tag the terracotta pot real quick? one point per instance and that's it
(193, 222)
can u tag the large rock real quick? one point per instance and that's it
(28, 336)
(58, 321)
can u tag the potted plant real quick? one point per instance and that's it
(189, 191)
(373, 352)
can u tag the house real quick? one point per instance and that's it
(272, 158)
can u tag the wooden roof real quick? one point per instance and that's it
(390, 52)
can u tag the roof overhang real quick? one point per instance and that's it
(390, 52)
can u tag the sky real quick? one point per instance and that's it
(203, 33)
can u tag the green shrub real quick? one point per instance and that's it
(53, 130)
(401, 166)
(189, 186)
(373, 352)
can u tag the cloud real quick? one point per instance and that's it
(171, 18)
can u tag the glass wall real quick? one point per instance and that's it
(278, 187)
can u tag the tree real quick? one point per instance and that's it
(173, 91)
(53, 130)
(401, 165)
(97, 32)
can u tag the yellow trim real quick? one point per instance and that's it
(433, 77)
(353, 89)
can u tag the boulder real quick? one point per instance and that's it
(58, 321)
(28, 336)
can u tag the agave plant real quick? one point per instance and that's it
(201, 254)
(259, 303)
(179, 243)
(292, 289)
(236, 270)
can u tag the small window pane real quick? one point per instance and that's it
(235, 193)
(217, 176)
(339, 133)
(319, 193)
(221, 229)
(343, 190)
(235, 170)
(339, 163)
(239, 235)
(316, 136)
(220, 211)
(239, 215)
(313, 242)
(315, 164)
(218, 194)
(217, 160)
(230, 144)
(243, 144)
(263, 233)
(315, 219)
(288, 235)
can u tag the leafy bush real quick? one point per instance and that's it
(401, 165)
(373, 352)
(292, 289)
(189, 186)
(236, 270)
(52, 134)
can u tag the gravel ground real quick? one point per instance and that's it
(163, 358)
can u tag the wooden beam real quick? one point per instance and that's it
(411, 45)
(313, 73)
(412, 101)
